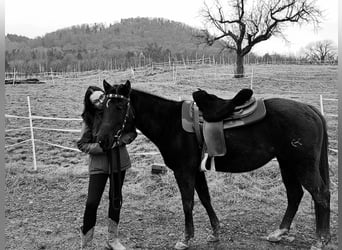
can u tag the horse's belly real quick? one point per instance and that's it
(247, 150)
(240, 165)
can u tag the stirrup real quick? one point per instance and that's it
(204, 161)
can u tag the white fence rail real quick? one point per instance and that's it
(321, 99)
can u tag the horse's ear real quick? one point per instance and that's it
(126, 88)
(128, 84)
(106, 86)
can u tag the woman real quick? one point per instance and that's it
(99, 171)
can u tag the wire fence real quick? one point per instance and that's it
(32, 128)
(31, 117)
(174, 67)
(172, 72)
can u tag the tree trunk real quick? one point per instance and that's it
(239, 72)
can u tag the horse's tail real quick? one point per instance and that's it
(324, 163)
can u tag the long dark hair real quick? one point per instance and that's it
(89, 110)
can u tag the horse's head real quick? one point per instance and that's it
(118, 119)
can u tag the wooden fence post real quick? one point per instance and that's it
(13, 76)
(173, 72)
(321, 104)
(252, 75)
(32, 136)
(53, 82)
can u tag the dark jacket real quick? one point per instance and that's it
(98, 160)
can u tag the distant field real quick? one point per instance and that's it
(47, 206)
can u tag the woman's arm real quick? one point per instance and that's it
(86, 144)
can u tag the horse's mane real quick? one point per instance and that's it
(153, 96)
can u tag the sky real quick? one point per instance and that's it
(34, 18)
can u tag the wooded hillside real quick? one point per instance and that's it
(130, 42)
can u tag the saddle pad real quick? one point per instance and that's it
(258, 114)
(242, 112)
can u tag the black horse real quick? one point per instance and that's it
(293, 132)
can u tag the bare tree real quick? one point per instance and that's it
(321, 51)
(240, 24)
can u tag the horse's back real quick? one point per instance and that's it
(298, 127)
(293, 116)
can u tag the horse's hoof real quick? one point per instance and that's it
(317, 246)
(276, 236)
(212, 238)
(320, 244)
(181, 245)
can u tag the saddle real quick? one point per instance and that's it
(208, 116)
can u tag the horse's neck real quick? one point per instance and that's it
(154, 116)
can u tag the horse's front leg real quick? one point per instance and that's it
(186, 184)
(201, 187)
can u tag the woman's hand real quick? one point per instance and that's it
(127, 138)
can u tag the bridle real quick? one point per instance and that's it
(118, 134)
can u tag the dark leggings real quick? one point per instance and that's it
(97, 184)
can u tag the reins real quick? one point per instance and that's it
(116, 140)
(112, 179)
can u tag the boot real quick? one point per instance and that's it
(113, 241)
(87, 238)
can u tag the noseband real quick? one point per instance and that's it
(118, 134)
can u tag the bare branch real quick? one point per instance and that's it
(320, 51)
(247, 26)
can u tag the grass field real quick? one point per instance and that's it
(44, 208)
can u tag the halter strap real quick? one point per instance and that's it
(112, 96)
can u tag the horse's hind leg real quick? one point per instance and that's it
(312, 181)
(294, 193)
(202, 190)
